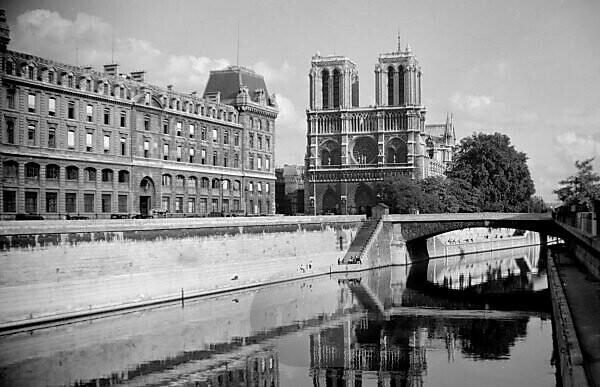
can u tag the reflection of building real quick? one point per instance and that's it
(289, 189)
(350, 147)
(75, 141)
(257, 370)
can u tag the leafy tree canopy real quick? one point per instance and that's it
(493, 167)
(582, 188)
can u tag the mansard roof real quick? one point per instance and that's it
(229, 81)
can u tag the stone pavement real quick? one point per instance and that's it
(583, 297)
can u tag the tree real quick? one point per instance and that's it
(581, 188)
(491, 165)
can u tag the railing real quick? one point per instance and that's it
(588, 222)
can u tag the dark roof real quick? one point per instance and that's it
(229, 81)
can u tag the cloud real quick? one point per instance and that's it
(274, 75)
(291, 133)
(574, 146)
(470, 103)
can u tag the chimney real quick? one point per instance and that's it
(111, 69)
(138, 76)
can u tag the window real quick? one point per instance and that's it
(122, 199)
(88, 85)
(11, 169)
(146, 123)
(251, 162)
(89, 142)
(71, 139)
(166, 203)
(251, 207)
(192, 153)
(267, 143)
(215, 135)
(70, 81)
(225, 160)
(50, 76)
(123, 142)
(251, 140)
(166, 180)
(236, 186)
(70, 202)
(215, 158)
(123, 119)
(178, 129)
(31, 202)
(215, 184)
(32, 171)
(31, 103)
(250, 187)
(267, 187)
(236, 204)
(203, 134)
(192, 130)
(165, 151)
(258, 124)
(203, 205)
(88, 202)
(226, 138)
(178, 152)
(259, 140)
(165, 127)
(236, 139)
(106, 88)
(71, 110)
(31, 134)
(89, 112)
(106, 198)
(123, 177)
(179, 181)
(72, 173)
(52, 138)
(191, 205)
(179, 204)
(236, 161)
(52, 172)
(52, 106)
(203, 156)
(215, 205)
(51, 201)
(267, 164)
(90, 174)
(10, 201)
(106, 143)
(106, 116)
(10, 131)
(259, 187)
(225, 185)
(259, 162)
(10, 98)
(225, 205)
(107, 175)
(146, 149)
(9, 67)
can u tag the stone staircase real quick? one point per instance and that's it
(359, 243)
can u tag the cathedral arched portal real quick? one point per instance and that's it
(364, 199)
(331, 201)
(147, 196)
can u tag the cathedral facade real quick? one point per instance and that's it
(350, 148)
(77, 142)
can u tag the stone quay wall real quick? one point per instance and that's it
(62, 269)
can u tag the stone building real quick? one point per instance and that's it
(289, 190)
(79, 142)
(350, 148)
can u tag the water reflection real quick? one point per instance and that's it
(381, 327)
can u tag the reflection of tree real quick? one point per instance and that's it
(490, 339)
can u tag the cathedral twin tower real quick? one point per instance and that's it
(351, 148)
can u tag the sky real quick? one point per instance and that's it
(528, 69)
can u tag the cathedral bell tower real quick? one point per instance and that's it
(333, 82)
(398, 78)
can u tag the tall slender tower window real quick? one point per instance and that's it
(390, 86)
(325, 88)
(336, 88)
(401, 86)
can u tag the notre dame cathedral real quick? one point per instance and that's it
(350, 148)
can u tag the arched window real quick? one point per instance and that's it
(72, 172)
(52, 172)
(226, 185)
(123, 176)
(166, 180)
(396, 152)
(401, 86)
(215, 184)
(204, 183)
(390, 86)
(192, 182)
(179, 181)
(337, 98)
(90, 174)
(11, 169)
(325, 88)
(236, 185)
(107, 175)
